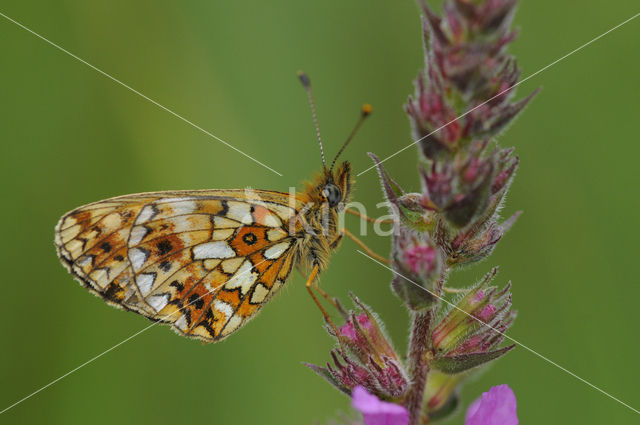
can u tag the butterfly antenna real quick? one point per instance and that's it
(366, 111)
(306, 83)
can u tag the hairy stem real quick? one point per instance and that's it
(418, 363)
(418, 357)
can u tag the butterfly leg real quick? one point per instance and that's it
(366, 217)
(366, 248)
(310, 285)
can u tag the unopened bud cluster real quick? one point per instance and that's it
(365, 358)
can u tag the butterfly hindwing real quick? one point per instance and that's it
(203, 261)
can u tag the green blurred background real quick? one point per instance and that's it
(71, 136)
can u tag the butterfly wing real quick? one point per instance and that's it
(203, 261)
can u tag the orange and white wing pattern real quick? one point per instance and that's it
(203, 261)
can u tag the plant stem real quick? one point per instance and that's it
(419, 346)
(418, 363)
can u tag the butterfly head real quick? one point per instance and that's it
(331, 188)
(335, 186)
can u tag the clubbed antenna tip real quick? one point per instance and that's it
(366, 111)
(304, 79)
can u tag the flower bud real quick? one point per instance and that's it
(369, 359)
(464, 337)
(433, 119)
(469, 189)
(362, 334)
(472, 246)
(418, 263)
(465, 90)
(408, 209)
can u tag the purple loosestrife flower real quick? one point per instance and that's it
(420, 258)
(377, 412)
(419, 264)
(369, 359)
(468, 335)
(495, 407)
(363, 336)
(463, 98)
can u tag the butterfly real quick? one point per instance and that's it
(206, 261)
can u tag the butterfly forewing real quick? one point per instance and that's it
(203, 261)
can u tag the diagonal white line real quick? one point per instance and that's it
(138, 93)
(503, 334)
(91, 360)
(506, 90)
(77, 368)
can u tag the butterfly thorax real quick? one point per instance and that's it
(318, 233)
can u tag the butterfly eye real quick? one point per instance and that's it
(332, 194)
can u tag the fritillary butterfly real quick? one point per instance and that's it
(204, 262)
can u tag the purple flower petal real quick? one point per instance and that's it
(420, 257)
(496, 407)
(378, 412)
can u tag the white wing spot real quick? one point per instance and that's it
(145, 282)
(224, 308)
(172, 200)
(147, 213)
(240, 211)
(181, 206)
(84, 261)
(181, 323)
(243, 278)
(276, 251)
(138, 257)
(271, 220)
(218, 249)
(137, 234)
(158, 302)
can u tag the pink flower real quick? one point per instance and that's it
(367, 360)
(377, 412)
(348, 329)
(495, 407)
(420, 257)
